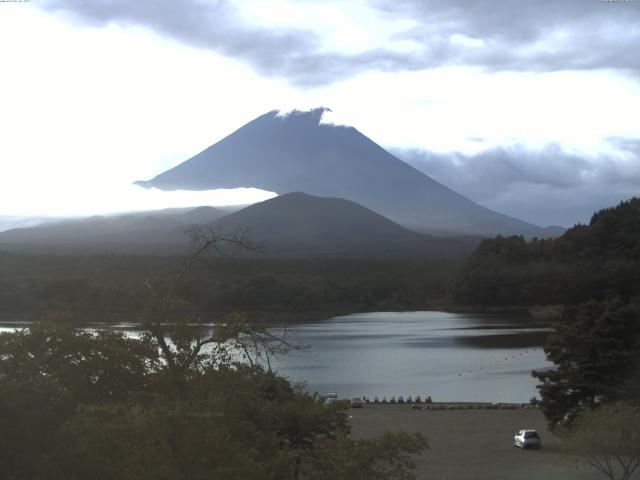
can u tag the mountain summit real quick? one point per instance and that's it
(297, 153)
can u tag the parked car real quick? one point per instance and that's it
(527, 439)
(331, 397)
(356, 402)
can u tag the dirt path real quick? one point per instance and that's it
(472, 444)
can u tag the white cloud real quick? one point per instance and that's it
(103, 199)
(346, 27)
(448, 109)
(85, 112)
(459, 39)
(88, 109)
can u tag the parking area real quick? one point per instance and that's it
(473, 444)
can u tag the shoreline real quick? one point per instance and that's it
(288, 316)
(458, 405)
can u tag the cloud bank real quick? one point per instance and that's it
(546, 186)
(541, 36)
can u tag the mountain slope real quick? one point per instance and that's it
(290, 225)
(298, 153)
(298, 224)
(303, 222)
(156, 232)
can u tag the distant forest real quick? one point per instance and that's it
(588, 262)
(108, 287)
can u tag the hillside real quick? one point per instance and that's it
(587, 262)
(296, 152)
(298, 224)
(158, 232)
(290, 225)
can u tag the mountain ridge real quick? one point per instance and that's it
(295, 225)
(139, 232)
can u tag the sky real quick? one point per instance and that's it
(526, 107)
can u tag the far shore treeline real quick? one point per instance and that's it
(105, 287)
(588, 262)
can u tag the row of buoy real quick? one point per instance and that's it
(507, 358)
(400, 399)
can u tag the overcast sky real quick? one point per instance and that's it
(527, 107)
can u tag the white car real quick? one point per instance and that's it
(332, 397)
(356, 402)
(527, 439)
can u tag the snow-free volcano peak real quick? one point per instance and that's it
(296, 152)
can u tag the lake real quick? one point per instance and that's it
(450, 356)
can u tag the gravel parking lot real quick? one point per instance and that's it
(472, 444)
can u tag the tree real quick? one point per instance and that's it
(168, 315)
(587, 262)
(595, 350)
(186, 400)
(608, 439)
(381, 458)
(48, 371)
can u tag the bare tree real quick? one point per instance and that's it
(608, 439)
(176, 328)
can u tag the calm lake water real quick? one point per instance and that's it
(452, 357)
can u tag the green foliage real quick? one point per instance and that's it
(48, 371)
(382, 458)
(185, 400)
(80, 404)
(107, 287)
(595, 349)
(587, 262)
(85, 366)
